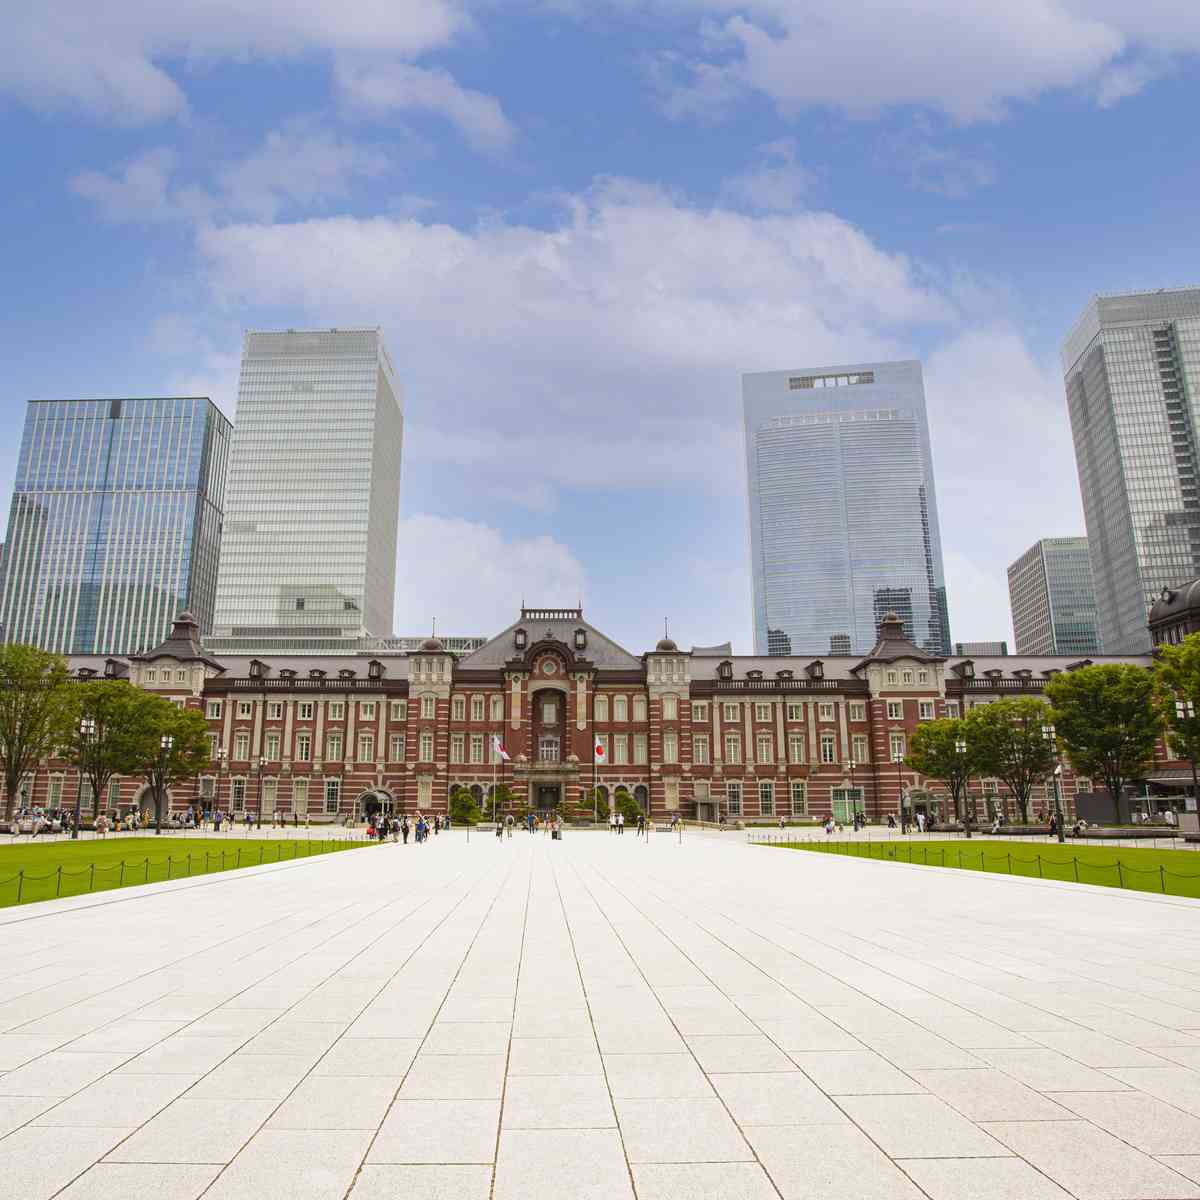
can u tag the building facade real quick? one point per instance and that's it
(984, 649)
(1053, 600)
(708, 736)
(115, 524)
(1132, 372)
(842, 507)
(308, 556)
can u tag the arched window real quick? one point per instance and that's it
(601, 708)
(620, 708)
(641, 797)
(639, 708)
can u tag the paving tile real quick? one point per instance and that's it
(369, 1056)
(583, 1164)
(755, 1052)
(336, 1102)
(1188, 1165)
(423, 1183)
(1142, 1121)
(117, 1100)
(16, 1049)
(1179, 1086)
(454, 1077)
(855, 1073)
(58, 1074)
(477, 1008)
(1098, 1049)
(16, 1111)
(1049, 1071)
(554, 1056)
(182, 1054)
(1090, 1163)
(195, 1131)
(129, 1037)
(251, 1077)
(438, 1131)
(776, 1098)
(702, 1181)
(981, 1179)
(918, 1127)
(141, 1181)
(557, 1102)
(827, 1162)
(986, 1094)
(468, 1037)
(656, 1077)
(296, 1037)
(920, 1050)
(28, 1172)
(682, 1131)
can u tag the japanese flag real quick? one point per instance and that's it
(498, 749)
(601, 752)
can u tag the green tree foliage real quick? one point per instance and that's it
(463, 808)
(933, 751)
(503, 802)
(627, 806)
(103, 732)
(597, 803)
(1107, 720)
(35, 712)
(165, 766)
(1176, 691)
(1008, 741)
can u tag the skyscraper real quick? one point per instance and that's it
(115, 525)
(308, 557)
(1132, 370)
(1053, 601)
(843, 513)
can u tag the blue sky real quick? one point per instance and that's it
(578, 224)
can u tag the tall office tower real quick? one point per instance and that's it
(115, 525)
(1132, 368)
(982, 649)
(308, 556)
(1053, 600)
(843, 514)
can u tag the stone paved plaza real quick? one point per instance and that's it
(604, 1018)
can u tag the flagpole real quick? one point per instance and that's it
(595, 798)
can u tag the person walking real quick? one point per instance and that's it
(641, 824)
(612, 821)
(508, 825)
(404, 827)
(620, 823)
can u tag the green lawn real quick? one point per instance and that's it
(29, 871)
(1175, 872)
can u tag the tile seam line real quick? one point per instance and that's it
(1075, 1116)
(720, 1099)
(433, 1021)
(227, 1057)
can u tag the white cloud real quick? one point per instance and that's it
(300, 166)
(969, 60)
(136, 190)
(943, 170)
(777, 183)
(108, 60)
(473, 577)
(378, 89)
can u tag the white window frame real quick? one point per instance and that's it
(600, 708)
(906, 678)
(304, 747)
(337, 710)
(477, 748)
(212, 710)
(825, 711)
(366, 747)
(426, 751)
(952, 708)
(621, 749)
(241, 747)
(641, 749)
(893, 678)
(670, 747)
(859, 748)
(396, 747)
(458, 708)
(858, 710)
(897, 744)
(700, 749)
(733, 747)
(304, 710)
(300, 793)
(271, 746)
(458, 747)
(798, 798)
(795, 712)
(275, 710)
(828, 748)
(620, 708)
(925, 710)
(733, 799)
(762, 712)
(366, 710)
(497, 706)
(670, 707)
(764, 749)
(730, 712)
(639, 708)
(766, 798)
(895, 710)
(428, 708)
(333, 747)
(796, 747)
(399, 710)
(333, 795)
(477, 708)
(245, 710)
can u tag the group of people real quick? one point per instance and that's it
(616, 823)
(381, 826)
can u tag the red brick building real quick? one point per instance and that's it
(703, 733)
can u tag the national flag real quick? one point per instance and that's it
(601, 752)
(498, 748)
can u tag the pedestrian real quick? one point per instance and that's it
(529, 821)
(404, 828)
(612, 821)
(920, 822)
(620, 822)
(508, 825)
(499, 830)
(641, 824)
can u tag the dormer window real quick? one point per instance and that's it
(581, 639)
(520, 639)
(965, 669)
(85, 672)
(784, 674)
(346, 673)
(1050, 672)
(375, 669)
(725, 670)
(755, 675)
(1023, 673)
(110, 668)
(316, 673)
(287, 673)
(1083, 662)
(815, 669)
(994, 673)
(257, 669)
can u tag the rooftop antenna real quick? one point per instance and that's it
(435, 626)
(666, 628)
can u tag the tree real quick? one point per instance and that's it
(597, 803)
(463, 808)
(103, 732)
(627, 806)
(566, 805)
(35, 712)
(1108, 721)
(1177, 694)
(170, 745)
(1007, 736)
(503, 801)
(933, 751)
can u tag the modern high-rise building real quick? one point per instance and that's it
(1053, 600)
(308, 557)
(1132, 371)
(115, 524)
(982, 649)
(843, 512)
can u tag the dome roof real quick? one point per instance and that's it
(433, 645)
(666, 646)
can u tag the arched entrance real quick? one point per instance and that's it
(375, 801)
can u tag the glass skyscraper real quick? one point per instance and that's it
(1053, 600)
(115, 525)
(308, 556)
(1132, 372)
(843, 512)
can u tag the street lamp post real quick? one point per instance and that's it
(853, 792)
(87, 735)
(1185, 710)
(898, 759)
(1049, 734)
(166, 745)
(960, 748)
